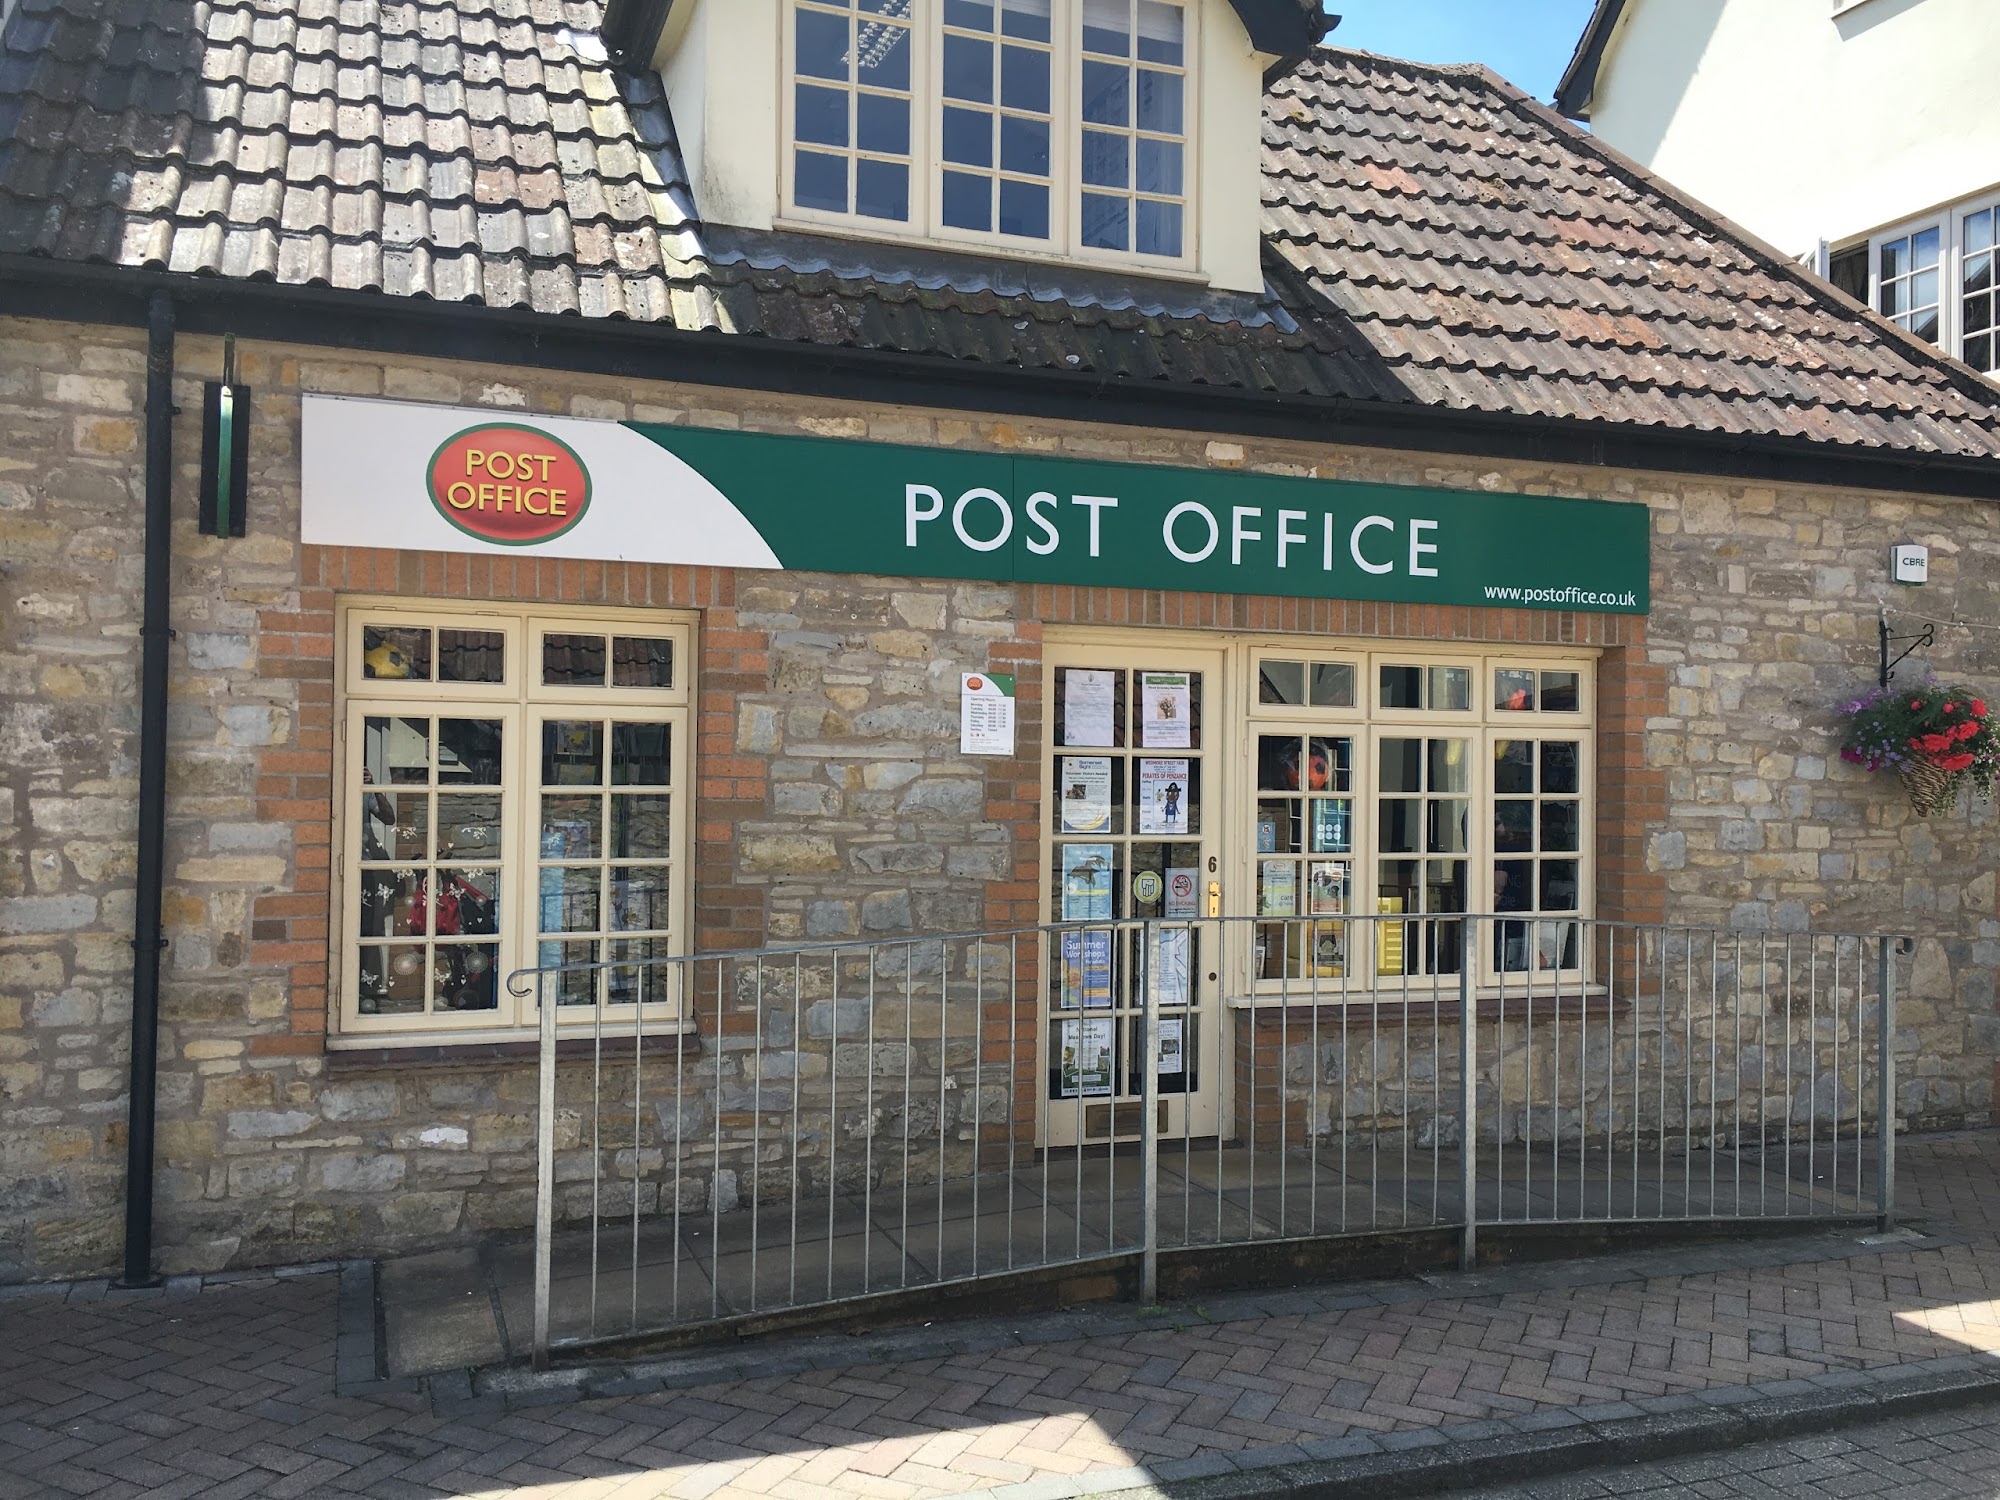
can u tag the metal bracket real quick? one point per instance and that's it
(1925, 637)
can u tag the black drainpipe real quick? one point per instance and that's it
(147, 941)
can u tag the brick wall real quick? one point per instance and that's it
(832, 800)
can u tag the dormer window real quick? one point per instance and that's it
(1029, 125)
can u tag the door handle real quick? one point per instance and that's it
(1215, 898)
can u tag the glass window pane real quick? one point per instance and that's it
(1107, 94)
(1450, 766)
(1895, 259)
(1979, 351)
(882, 190)
(1278, 762)
(1278, 826)
(648, 979)
(1924, 249)
(573, 661)
(968, 201)
(572, 752)
(973, 15)
(1162, 33)
(1979, 231)
(1978, 273)
(882, 124)
(1159, 167)
(638, 900)
(1277, 888)
(1024, 146)
(1024, 79)
(1106, 222)
(472, 656)
(394, 903)
(968, 69)
(1513, 766)
(1925, 325)
(468, 752)
(468, 902)
(1514, 885)
(1107, 27)
(1559, 766)
(1106, 159)
(1451, 688)
(571, 828)
(573, 986)
(1281, 682)
(1514, 827)
(641, 662)
(820, 115)
(395, 654)
(1399, 825)
(1160, 102)
(396, 752)
(1923, 289)
(641, 826)
(1561, 692)
(468, 976)
(1331, 763)
(1024, 210)
(1445, 826)
(570, 897)
(392, 980)
(1894, 298)
(1513, 691)
(1978, 314)
(395, 826)
(882, 60)
(469, 827)
(1332, 685)
(1332, 825)
(968, 138)
(820, 181)
(1559, 885)
(1562, 825)
(822, 44)
(640, 754)
(1028, 19)
(1402, 687)
(1445, 887)
(1402, 766)
(1159, 228)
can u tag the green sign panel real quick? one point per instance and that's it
(853, 507)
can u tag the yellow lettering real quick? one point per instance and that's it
(528, 501)
(474, 459)
(451, 496)
(485, 496)
(493, 466)
(558, 502)
(547, 461)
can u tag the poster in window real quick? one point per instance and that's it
(1086, 792)
(1389, 936)
(1327, 889)
(1330, 831)
(1086, 970)
(1277, 888)
(1173, 1052)
(1086, 895)
(1181, 888)
(1089, 702)
(1166, 710)
(1086, 1058)
(1174, 971)
(1163, 796)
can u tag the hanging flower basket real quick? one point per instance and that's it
(1936, 738)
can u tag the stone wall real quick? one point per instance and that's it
(833, 802)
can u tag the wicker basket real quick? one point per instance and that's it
(1932, 789)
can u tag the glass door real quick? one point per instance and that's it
(1132, 836)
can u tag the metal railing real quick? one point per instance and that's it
(820, 1124)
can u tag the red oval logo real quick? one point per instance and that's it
(510, 485)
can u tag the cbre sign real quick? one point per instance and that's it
(434, 479)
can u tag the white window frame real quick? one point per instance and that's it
(1368, 723)
(1949, 222)
(926, 222)
(520, 702)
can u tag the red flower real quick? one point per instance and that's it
(1967, 730)
(1916, 703)
(1955, 762)
(1951, 708)
(1979, 707)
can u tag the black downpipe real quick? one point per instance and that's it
(147, 941)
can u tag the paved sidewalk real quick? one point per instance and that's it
(228, 1388)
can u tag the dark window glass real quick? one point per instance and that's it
(573, 660)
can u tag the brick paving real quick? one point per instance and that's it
(228, 1389)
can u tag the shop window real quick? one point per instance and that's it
(1938, 277)
(1907, 282)
(1038, 124)
(510, 799)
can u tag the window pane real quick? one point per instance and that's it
(1024, 210)
(468, 902)
(968, 139)
(1559, 766)
(1024, 79)
(1979, 231)
(468, 976)
(648, 980)
(394, 903)
(389, 654)
(1400, 825)
(1024, 146)
(822, 45)
(572, 752)
(821, 115)
(1924, 249)
(1444, 881)
(1513, 691)
(640, 754)
(1978, 314)
(1159, 228)
(469, 827)
(1561, 826)
(1332, 825)
(573, 661)
(468, 752)
(641, 826)
(1107, 27)
(1451, 688)
(1923, 289)
(392, 981)
(1028, 19)
(1895, 259)
(641, 662)
(882, 190)
(1162, 33)
(1402, 766)
(1402, 687)
(571, 827)
(1925, 325)
(1106, 222)
(1331, 764)
(472, 656)
(1445, 827)
(973, 15)
(571, 898)
(1979, 351)
(1514, 827)
(1559, 885)
(1514, 885)
(1561, 692)
(573, 987)
(882, 124)
(639, 900)
(1278, 826)
(1106, 160)
(1449, 766)
(1514, 766)
(1281, 682)
(395, 826)
(820, 181)
(968, 69)
(1160, 102)
(882, 60)
(1278, 762)
(1107, 98)
(396, 752)
(1159, 167)
(968, 201)
(1332, 685)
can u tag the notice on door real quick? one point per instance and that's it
(985, 714)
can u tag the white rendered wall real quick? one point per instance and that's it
(1802, 124)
